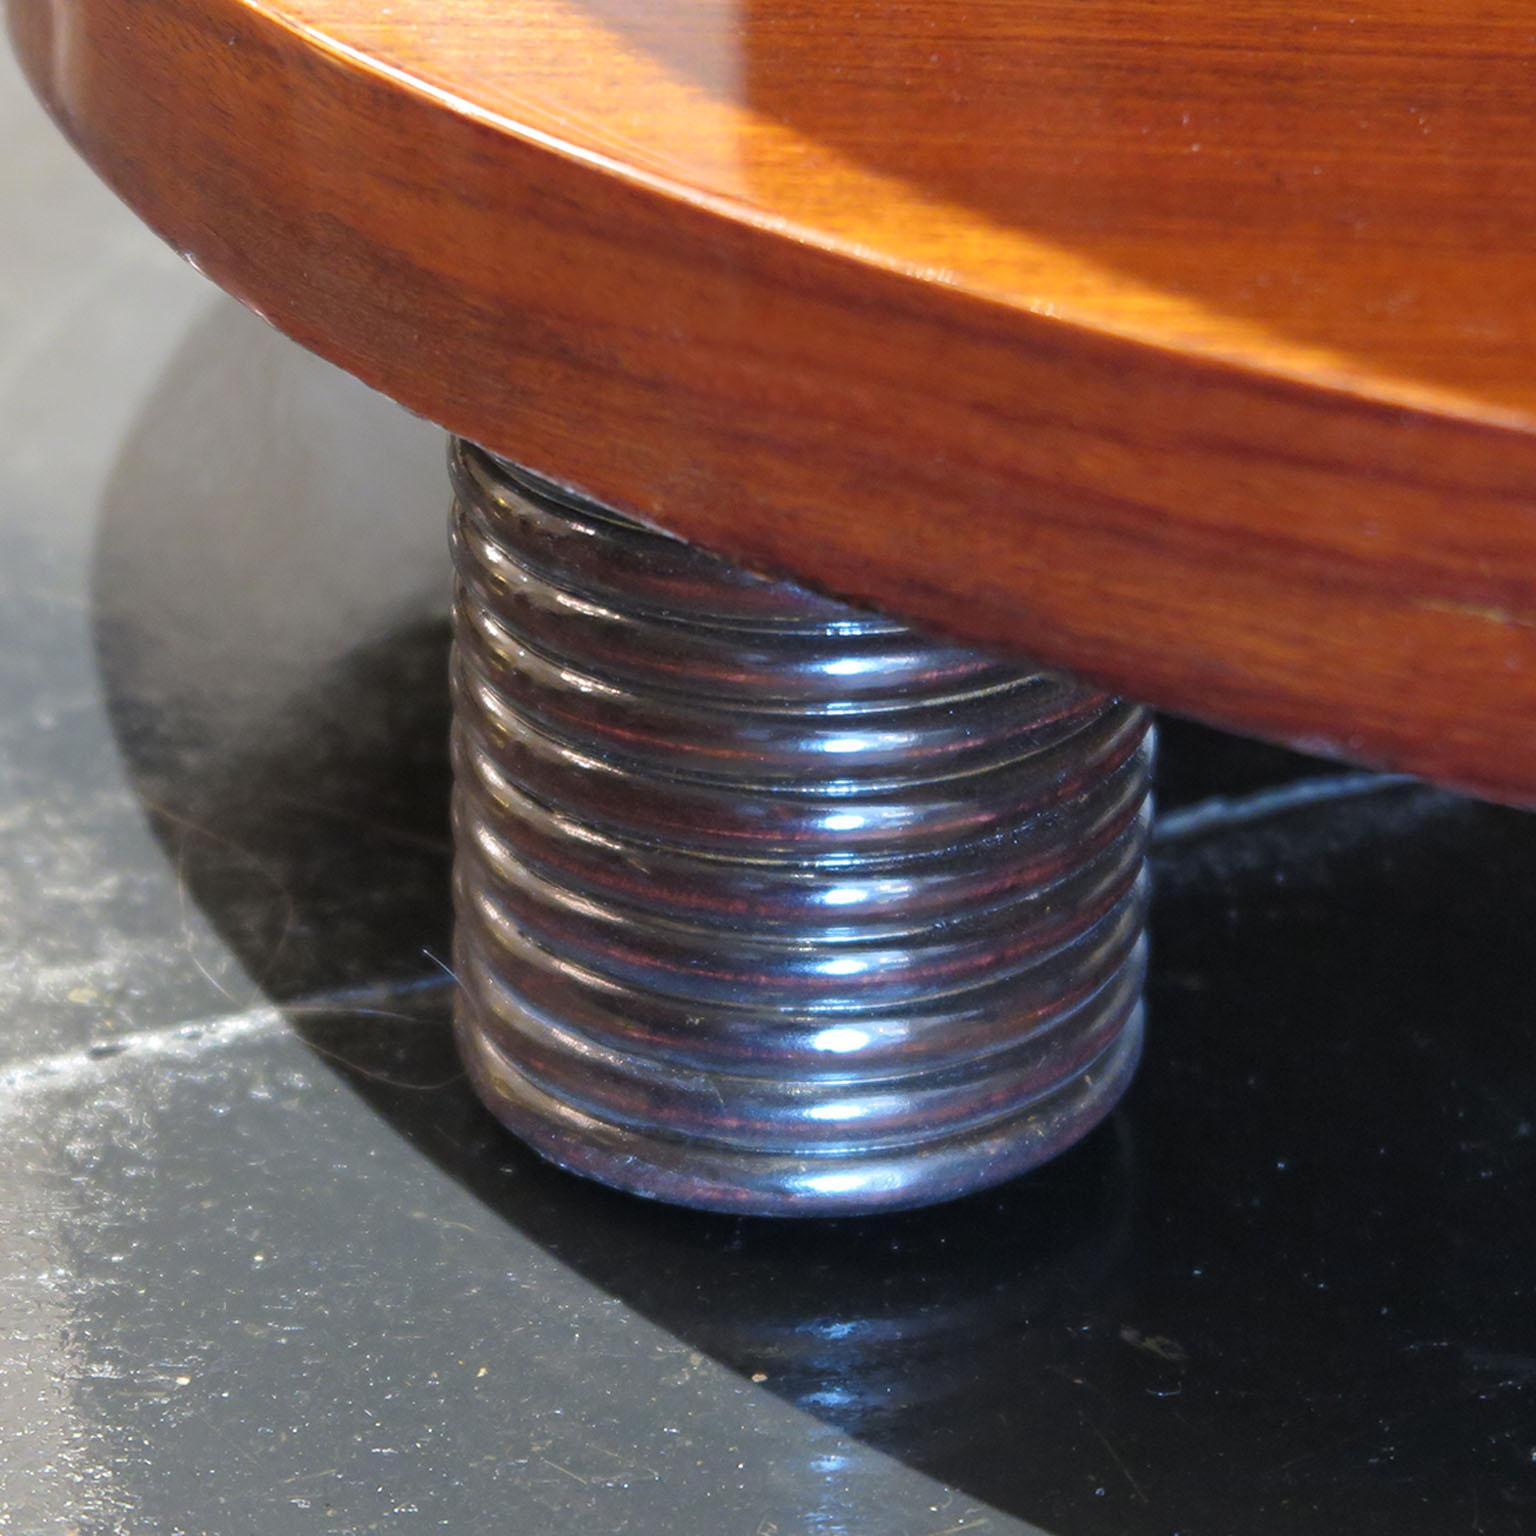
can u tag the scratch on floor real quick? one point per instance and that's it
(1125, 1471)
(62, 1069)
(187, 1041)
(1222, 813)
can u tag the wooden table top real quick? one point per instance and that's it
(1190, 346)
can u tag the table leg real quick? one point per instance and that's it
(768, 904)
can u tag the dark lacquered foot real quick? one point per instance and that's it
(767, 904)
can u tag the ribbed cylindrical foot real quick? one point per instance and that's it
(766, 904)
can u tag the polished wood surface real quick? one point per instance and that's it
(1194, 347)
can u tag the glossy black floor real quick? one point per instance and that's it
(267, 1267)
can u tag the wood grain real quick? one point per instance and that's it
(1193, 350)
